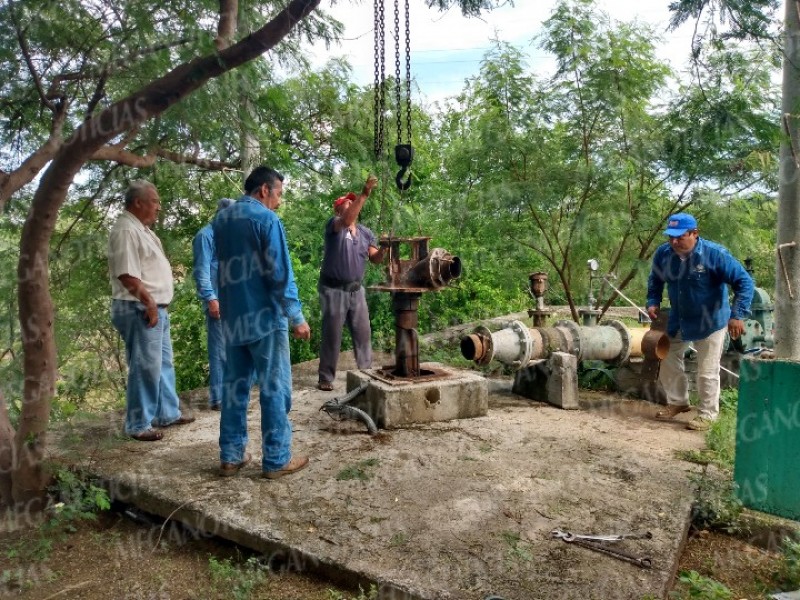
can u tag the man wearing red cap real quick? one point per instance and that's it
(348, 246)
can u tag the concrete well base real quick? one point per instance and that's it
(398, 403)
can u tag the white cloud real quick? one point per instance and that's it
(446, 47)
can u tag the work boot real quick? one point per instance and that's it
(230, 469)
(671, 411)
(295, 464)
(699, 424)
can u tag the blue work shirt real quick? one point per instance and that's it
(698, 289)
(206, 265)
(257, 290)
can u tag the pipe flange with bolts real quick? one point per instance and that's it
(526, 343)
(625, 336)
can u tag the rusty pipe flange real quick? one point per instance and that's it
(573, 331)
(625, 336)
(478, 346)
(655, 345)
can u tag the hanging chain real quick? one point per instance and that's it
(408, 74)
(397, 86)
(380, 79)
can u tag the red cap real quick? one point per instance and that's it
(342, 199)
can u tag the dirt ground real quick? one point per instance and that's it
(117, 558)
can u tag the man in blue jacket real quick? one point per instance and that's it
(697, 273)
(259, 303)
(205, 272)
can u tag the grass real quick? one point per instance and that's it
(240, 580)
(358, 471)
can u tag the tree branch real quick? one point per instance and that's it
(11, 182)
(124, 157)
(26, 54)
(226, 28)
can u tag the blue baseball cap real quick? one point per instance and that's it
(680, 223)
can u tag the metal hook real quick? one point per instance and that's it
(398, 179)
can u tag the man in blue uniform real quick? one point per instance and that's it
(348, 246)
(259, 303)
(697, 273)
(205, 272)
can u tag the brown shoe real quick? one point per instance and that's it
(297, 463)
(230, 469)
(182, 420)
(325, 386)
(149, 435)
(672, 411)
(699, 424)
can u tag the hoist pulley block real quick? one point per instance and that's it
(403, 154)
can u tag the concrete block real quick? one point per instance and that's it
(396, 404)
(554, 381)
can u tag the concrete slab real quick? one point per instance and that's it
(448, 510)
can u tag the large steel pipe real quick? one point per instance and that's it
(518, 345)
(435, 270)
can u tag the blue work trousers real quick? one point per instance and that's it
(267, 360)
(151, 399)
(216, 359)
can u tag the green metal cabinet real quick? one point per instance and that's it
(767, 467)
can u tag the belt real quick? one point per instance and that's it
(347, 286)
(162, 305)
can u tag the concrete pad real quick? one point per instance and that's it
(455, 394)
(448, 510)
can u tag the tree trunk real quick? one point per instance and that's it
(6, 453)
(36, 306)
(787, 280)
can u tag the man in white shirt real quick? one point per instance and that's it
(141, 290)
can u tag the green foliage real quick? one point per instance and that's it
(789, 567)
(238, 580)
(721, 438)
(77, 498)
(188, 332)
(358, 471)
(703, 588)
(595, 375)
(716, 504)
(518, 550)
(372, 594)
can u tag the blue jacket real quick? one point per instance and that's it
(257, 290)
(206, 265)
(698, 289)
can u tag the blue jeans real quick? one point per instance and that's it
(216, 359)
(268, 361)
(151, 399)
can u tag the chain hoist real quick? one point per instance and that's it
(380, 80)
(403, 152)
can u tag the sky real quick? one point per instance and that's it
(447, 48)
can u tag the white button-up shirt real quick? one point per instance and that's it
(135, 250)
